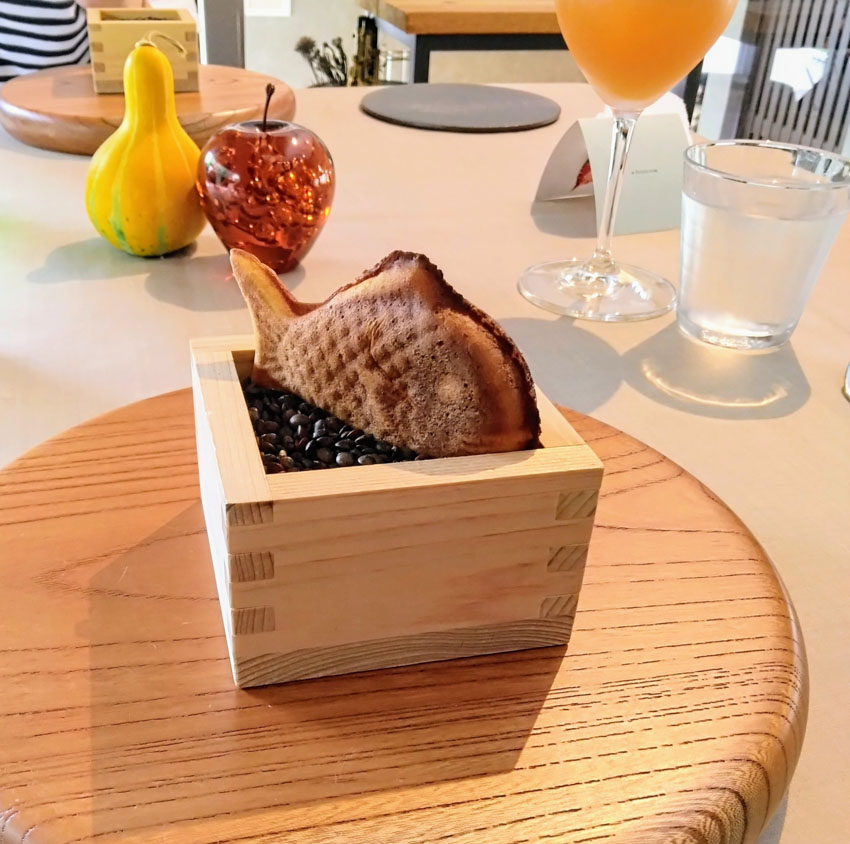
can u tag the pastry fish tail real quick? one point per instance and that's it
(265, 294)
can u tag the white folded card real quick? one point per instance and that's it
(651, 197)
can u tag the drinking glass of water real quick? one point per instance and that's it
(758, 221)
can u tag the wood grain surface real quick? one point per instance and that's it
(676, 715)
(459, 17)
(58, 109)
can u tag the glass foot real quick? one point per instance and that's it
(572, 288)
(746, 336)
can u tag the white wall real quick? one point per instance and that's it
(270, 41)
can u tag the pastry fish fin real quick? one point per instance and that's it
(266, 296)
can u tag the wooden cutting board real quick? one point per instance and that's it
(58, 109)
(676, 714)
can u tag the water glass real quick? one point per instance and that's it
(758, 221)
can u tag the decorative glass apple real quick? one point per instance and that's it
(266, 186)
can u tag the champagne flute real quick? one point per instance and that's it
(631, 52)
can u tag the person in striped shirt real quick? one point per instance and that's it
(35, 34)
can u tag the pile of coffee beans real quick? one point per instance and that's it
(293, 435)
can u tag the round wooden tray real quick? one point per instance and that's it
(58, 109)
(676, 713)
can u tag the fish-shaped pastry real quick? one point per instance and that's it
(398, 353)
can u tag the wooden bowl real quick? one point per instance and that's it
(57, 109)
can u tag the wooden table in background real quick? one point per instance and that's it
(676, 714)
(58, 109)
(425, 26)
(469, 17)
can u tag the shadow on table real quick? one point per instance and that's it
(417, 725)
(573, 367)
(86, 260)
(183, 278)
(204, 284)
(711, 381)
(172, 739)
(772, 833)
(567, 218)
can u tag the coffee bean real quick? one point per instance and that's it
(293, 435)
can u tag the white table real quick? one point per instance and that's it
(84, 328)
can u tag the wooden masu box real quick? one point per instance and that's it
(368, 567)
(114, 32)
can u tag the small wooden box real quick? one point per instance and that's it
(373, 566)
(114, 32)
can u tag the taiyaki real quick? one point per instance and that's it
(398, 353)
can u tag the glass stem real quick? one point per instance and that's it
(621, 138)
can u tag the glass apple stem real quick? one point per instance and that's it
(269, 92)
(621, 138)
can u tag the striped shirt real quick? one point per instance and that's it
(35, 34)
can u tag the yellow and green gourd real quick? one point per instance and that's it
(140, 189)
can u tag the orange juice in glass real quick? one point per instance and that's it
(631, 52)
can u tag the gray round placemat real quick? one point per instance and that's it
(460, 108)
